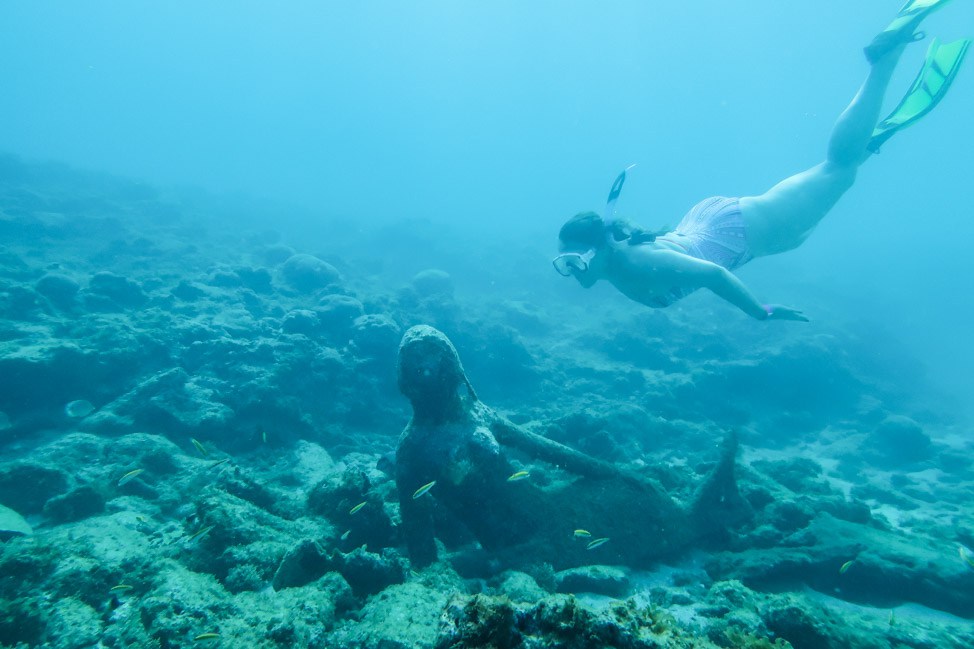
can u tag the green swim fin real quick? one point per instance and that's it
(929, 87)
(903, 28)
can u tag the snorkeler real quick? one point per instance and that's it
(719, 235)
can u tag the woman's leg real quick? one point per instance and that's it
(782, 218)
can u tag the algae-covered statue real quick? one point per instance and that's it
(524, 497)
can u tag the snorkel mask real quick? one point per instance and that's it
(571, 262)
(568, 263)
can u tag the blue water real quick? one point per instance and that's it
(170, 383)
(509, 116)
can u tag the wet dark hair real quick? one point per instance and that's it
(587, 230)
(584, 230)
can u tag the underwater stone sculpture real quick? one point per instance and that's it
(471, 454)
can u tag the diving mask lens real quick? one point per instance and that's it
(570, 262)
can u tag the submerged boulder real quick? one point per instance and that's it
(27, 486)
(61, 290)
(300, 321)
(305, 563)
(120, 290)
(432, 282)
(521, 587)
(172, 400)
(277, 253)
(602, 580)
(369, 573)
(898, 441)
(307, 273)
(375, 336)
(337, 312)
(75, 505)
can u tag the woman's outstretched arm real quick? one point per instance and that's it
(728, 286)
(684, 270)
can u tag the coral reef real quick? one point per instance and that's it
(199, 425)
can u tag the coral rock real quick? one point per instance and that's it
(75, 505)
(375, 336)
(602, 580)
(432, 282)
(307, 273)
(26, 487)
(301, 321)
(897, 441)
(369, 573)
(61, 290)
(302, 565)
(120, 290)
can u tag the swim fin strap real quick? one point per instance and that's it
(929, 87)
(902, 29)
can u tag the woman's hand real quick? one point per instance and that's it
(782, 312)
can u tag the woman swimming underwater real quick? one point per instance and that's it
(720, 234)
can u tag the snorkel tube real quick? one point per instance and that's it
(610, 204)
(571, 262)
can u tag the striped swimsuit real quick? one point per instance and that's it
(712, 230)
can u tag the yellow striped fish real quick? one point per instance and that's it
(199, 446)
(422, 490)
(130, 476)
(206, 636)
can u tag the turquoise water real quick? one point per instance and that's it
(507, 117)
(166, 169)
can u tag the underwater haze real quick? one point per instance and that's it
(507, 117)
(284, 361)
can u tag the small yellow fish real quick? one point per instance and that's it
(263, 436)
(219, 462)
(344, 536)
(845, 566)
(965, 556)
(422, 490)
(206, 636)
(582, 534)
(520, 475)
(199, 533)
(597, 542)
(414, 573)
(128, 477)
(199, 446)
(120, 588)
(142, 519)
(357, 507)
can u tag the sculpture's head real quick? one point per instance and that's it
(430, 373)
